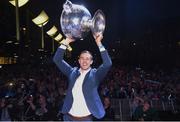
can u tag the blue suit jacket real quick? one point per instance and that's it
(90, 84)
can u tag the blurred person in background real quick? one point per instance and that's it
(145, 112)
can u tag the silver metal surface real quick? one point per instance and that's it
(76, 21)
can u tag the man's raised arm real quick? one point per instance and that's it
(64, 67)
(107, 63)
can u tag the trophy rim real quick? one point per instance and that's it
(98, 13)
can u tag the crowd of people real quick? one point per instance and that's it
(36, 92)
(126, 82)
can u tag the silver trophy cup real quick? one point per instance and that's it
(76, 21)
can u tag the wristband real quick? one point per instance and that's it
(64, 44)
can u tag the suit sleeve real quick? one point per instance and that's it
(104, 67)
(63, 66)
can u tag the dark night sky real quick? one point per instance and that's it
(134, 28)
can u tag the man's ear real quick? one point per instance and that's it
(92, 62)
(79, 61)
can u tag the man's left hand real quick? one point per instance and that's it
(98, 38)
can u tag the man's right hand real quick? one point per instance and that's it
(67, 41)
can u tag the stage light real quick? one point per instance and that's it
(52, 31)
(11, 84)
(9, 42)
(17, 4)
(58, 37)
(20, 2)
(69, 48)
(41, 20)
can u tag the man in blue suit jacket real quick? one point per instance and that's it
(82, 100)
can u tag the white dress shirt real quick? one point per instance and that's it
(79, 107)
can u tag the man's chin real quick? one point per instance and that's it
(84, 68)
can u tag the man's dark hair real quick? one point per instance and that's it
(86, 51)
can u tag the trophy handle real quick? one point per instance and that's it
(98, 23)
(67, 6)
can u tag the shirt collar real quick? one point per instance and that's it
(85, 71)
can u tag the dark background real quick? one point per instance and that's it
(138, 32)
